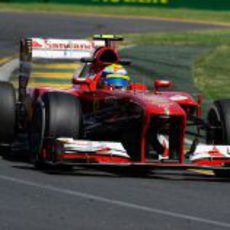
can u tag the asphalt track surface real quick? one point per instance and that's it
(87, 199)
(14, 26)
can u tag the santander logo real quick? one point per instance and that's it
(58, 44)
(36, 44)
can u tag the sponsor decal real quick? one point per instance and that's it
(36, 44)
(63, 48)
(167, 111)
(59, 44)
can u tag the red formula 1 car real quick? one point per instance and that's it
(105, 119)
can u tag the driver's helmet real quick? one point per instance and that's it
(115, 76)
(114, 68)
(116, 81)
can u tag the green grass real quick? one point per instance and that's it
(207, 38)
(210, 68)
(185, 14)
(212, 73)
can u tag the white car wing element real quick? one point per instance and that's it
(69, 145)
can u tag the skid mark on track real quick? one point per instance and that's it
(115, 202)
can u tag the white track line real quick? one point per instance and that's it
(7, 69)
(115, 202)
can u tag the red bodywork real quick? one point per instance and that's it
(131, 117)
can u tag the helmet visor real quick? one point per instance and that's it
(118, 82)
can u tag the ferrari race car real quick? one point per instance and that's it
(105, 119)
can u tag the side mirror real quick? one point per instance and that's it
(84, 84)
(158, 84)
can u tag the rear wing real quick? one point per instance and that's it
(64, 49)
(32, 49)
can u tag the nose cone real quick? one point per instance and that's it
(159, 105)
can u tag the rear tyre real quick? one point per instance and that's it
(218, 119)
(56, 115)
(7, 113)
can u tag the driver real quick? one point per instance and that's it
(114, 76)
(116, 81)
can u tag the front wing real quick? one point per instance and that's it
(102, 154)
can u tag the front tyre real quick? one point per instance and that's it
(36, 135)
(57, 114)
(218, 120)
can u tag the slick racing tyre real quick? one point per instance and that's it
(56, 115)
(63, 115)
(7, 113)
(218, 119)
